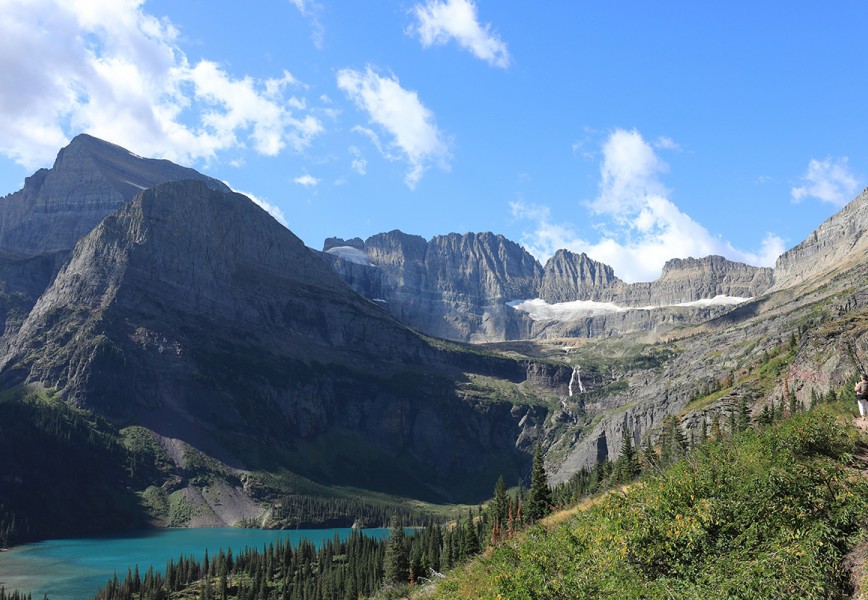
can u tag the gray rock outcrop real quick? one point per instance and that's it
(453, 286)
(457, 286)
(90, 179)
(838, 243)
(568, 276)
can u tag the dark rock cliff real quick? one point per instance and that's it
(232, 335)
(568, 276)
(453, 286)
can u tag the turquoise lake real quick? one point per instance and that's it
(75, 568)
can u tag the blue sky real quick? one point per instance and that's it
(632, 131)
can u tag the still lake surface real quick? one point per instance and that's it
(75, 568)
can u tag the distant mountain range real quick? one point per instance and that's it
(221, 371)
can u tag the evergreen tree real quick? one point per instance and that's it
(627, 467)
(470, 542)
(499, 506)
(396, 564)
(673, 441)
(766, 417)
(539, 501)
(649, 454)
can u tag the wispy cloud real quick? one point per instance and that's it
(666, 143)
(439, 22)
(638, 228)
(359, 163)
(306, 180)
(311, 10)
(131, 83)
(267, 206)
(400, 114)
(829, 180)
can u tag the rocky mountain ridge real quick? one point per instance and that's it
(836, 243)
(458, 286)
(234, 342)
(90, 179)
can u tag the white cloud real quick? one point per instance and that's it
(438, 22)
(268, 207)
(666, 143)
(415, 136)
(108, 68)
(306, 180)
(629, 174)
(641, 228)
(311, 10)
(548, 237)
(829, 180)
(359, 163)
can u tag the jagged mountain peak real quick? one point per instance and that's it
(568, 276)
(237, 275)
(90, 179)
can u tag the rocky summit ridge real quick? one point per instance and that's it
(465, 287)
(90, 179)
(838, 243)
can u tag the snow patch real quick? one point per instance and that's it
(716, 301)
(540, 310)
(136, 185)
(350, 254)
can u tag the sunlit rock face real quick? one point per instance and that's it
(483, 287)
(90, 179)
(837, 244)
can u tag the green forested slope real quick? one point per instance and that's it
(770, 513)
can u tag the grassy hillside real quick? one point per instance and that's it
(769, 513)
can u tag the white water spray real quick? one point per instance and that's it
(576, 378)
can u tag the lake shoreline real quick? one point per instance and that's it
(76, 568)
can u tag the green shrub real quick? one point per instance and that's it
(768, 514)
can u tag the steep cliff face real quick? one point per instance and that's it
(807, 335)
(835, 244)
(453, 286)
(807, 340)
(690, 279)
(90, 179)
(458, 287)
(568, 276)
(235, 338)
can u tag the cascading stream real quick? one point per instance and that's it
(576, 378)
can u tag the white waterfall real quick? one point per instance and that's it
(576, 378)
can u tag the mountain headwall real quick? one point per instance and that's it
(453, 286)
(568, 276)
(458, 286)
